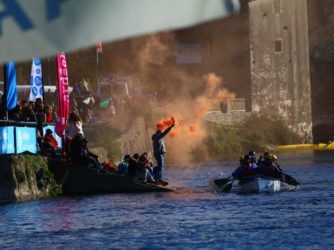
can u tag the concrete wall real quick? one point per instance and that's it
(279, 52)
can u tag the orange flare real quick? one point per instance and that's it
(159, 126)
(168, 122)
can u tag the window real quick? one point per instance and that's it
(278, 46)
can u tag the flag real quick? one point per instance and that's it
(11, 90)
(42, 28)
(64, 95)
(36, 80)
(99, 47)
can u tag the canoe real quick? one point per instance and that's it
(82, 180)
(320, 146)
(260, 185)
(267, 185)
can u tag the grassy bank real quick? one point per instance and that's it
(226, 142)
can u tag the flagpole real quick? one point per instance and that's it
(97, 68)
(5, 90)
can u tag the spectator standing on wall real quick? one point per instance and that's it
(28, 113)
(48, 114)
(74, 125)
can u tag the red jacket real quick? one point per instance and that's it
(52, 139)
(49, 117)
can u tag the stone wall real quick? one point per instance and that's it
(233, 118)
(280, 62)
(21, 178)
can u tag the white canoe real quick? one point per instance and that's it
(260, 185)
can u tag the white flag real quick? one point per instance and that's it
(36, 80)
(38, 28)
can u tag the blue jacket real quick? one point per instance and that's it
(159, 142)
(242, 172)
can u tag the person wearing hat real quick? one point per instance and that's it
(278, 172)
(267, 167)
(246, 171)
(254, 160)
(159, 150)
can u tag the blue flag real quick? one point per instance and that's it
(36, 82)
(11, 85)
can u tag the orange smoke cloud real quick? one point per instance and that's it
(165, 123)
(192, 128)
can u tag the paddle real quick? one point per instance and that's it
(227, 188)
(220, 182)
(290, 180)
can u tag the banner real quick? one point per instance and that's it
(7, 140)
(64, 95)
(36, 80)
(30, 28)
(26, 139)
(58, 139)
(11, 85)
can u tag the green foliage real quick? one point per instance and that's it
(223, 140)
(263, 130)
(45, 179)
(29, 176)
(107, 140)
(36, 169)
(20, 176)
(256, 133)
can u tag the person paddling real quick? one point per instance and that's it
(159, 150)
(246, 172)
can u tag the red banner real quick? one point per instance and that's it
(64, 95)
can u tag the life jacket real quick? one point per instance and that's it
(268, 170)
(247, 171)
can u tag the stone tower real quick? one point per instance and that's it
(280, 67)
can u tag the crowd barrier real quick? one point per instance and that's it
(19, 137)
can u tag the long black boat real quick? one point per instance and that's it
(82, 180)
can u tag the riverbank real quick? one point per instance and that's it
(26, 177)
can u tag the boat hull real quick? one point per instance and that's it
(260, 185)
(82, 180)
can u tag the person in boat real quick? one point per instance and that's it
(146, 170)
(159, 150)
(123, 166)
(278, 171)
(241, 160)
(81, 155)
(246, 171)
(268, 167)
(137, 170)
(49, 143)
(133, 165)
(254, 160)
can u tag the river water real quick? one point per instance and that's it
(193, 217)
